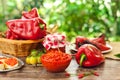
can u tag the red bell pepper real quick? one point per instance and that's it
(79, 41)
(31, 14)
(100, 46)
(99, 42)
(27, 28)
(11, 35)
(89, 56)
(30, 27)
(99, 39)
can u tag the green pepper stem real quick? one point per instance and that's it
(82, 58)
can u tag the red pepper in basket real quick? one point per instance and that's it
(11, 35)
(30, 27)
(89, 56)
(31, 14)
(27, 28)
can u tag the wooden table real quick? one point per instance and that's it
(110, 70)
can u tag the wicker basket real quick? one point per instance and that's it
(18, 47)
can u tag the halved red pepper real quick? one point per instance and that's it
(89, 56)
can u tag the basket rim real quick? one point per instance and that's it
(21, 41)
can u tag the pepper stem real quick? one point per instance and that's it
(82, 58)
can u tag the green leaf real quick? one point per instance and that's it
(117, 55)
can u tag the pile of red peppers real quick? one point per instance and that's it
(29, 27)
(89, 51)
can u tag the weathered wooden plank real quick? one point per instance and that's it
(110, 70)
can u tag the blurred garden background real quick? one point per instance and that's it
(74, 17)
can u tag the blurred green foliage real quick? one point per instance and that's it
(74, 17)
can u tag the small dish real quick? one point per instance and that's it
(70, 48)
(20, 63)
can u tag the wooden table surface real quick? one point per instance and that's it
(110, 70)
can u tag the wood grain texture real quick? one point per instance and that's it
(110, 70)
(115, 50)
